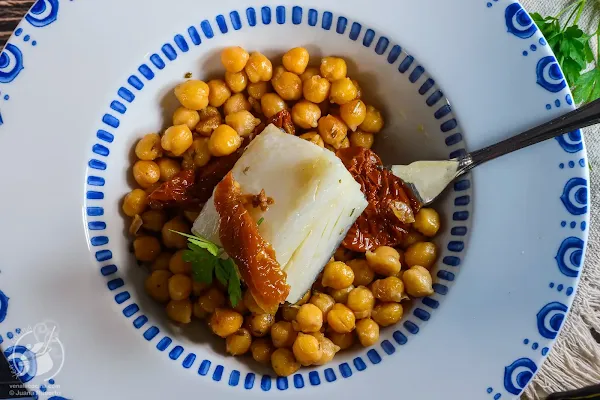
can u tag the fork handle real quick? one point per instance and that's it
(576, 119)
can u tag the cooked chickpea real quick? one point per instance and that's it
(361, 302)
(180, 287)
(363, 274)
(343, 91)
(174, 240)
(305, 298)
(146, 248)
(243, 122)
(153, 220)
(211, 300)
(200, 154)
(418, 281)
(314, 138)
(180, 311)
(198, 311)
(224, 141)
(332, 130)
(307, 349)
(277, 71)
(316, 89)
(177, 139)
(390, 289)
(358, 89)
(135, 202)
(284, 363)
(234, 58)
(306, 114)
(183, 116)
(210, 119)
(384, 261)
(337, 275)
(328, 348)
(342, 340)
(386, 314)
(255, 104)
(296, 60)
(236, 81)
(411, 238)
(146, 173)
(260, 324)
(323, 301)
(192, 94)
(288, 86)
(422, 253)
(238, 343)
(177, 265)
(148, 148)
(309, 73)
(259, 68)
(289, 313)
(373, 122)
(250, 302)
(161, 263)
(224, 322)
(333, 68)
(198, 288)
(353, 113)
(168, 168)
(427, 221)
(345, 143)
(283, 334)
(271, 104)
(309, 319)
(342, 254)
(361, 139)
(235, 103)
(261, 350)
(341, 319)
(157, 285)
(367, 331)
(340, 295)
(218, 93)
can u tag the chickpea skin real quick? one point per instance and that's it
(148, 148)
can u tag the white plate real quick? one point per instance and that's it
(80, 81)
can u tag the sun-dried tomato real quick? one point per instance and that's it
(174, 192)
(379, 224)
(283, 120)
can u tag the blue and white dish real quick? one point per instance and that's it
(81, 81)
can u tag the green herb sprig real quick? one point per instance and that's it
(207, 263)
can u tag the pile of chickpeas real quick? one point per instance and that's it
(355, 295)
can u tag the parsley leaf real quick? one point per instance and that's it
(260, 221)
(221, 272)
(587, 87)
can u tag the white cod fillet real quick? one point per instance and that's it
(316, 202)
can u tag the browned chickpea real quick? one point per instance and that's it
(332, 130)
(271, 104)
(422, 253)
(309, 73)
(340, 295)
(199, 154)
(309, 319)
(333, 68)
(236, 103)
(342, 92)
(177, 265)
(314, 138)
(224, 322)
(157, 285)
(234, 58)
(192, 94)
(177, 139)
(345, 143)
(224, 141)
(386, 314)
(361, 139)
(257, 90)
(305, 298)
(198, 311)
(342, 254)
(161, 263)
(342, 340)
(180, 287)
(198, 288)
(316, 89)
(361, 302)
(337, 275)
(148, 148)
(180, 311)
(256, 108)
(260, 324)
(289, 313)
(211, 300)
(288, 86)
(411, 238)
(283, 334)
(153, 220)
(390, 289)
(238, 343)
(183, 116)
(174, 240)
(168, 168)
(250, 302)
(296, 60)
(146, 248)
(210, 119)
(418, 281)
(328, 348)
(135, 202)
(353, 113)
(427, 221)
(259, 68)
(284, 363)
(384, 261)
(307, 349)
(323, 301)
(306, 114)
(243, 122)
(217, 95)
(191, 216)
(363, 274)
(373, 122)
(261, 350)
(367, 331)
(236, 81)
(146, 173)
(341, 319)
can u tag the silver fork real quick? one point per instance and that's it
(428, 179)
